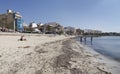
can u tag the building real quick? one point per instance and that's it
(90, 31)
(69, 30)
(11, 21)
(33, 25)
(53, 28)
(18, 22)
(79, 31)
(34, 28)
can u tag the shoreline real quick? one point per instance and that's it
(107, 48)
(101, 53)
(108, 56)
(51, 54)
(112, 64)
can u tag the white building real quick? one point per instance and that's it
(92, 31)
(33, 25)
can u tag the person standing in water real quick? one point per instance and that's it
(91, 39)
(81, 39)
(85, 39)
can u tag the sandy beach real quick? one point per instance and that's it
(51, 54)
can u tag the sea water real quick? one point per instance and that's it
(106, 45)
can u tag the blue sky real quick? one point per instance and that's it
(86, 14)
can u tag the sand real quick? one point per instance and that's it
(51, 54)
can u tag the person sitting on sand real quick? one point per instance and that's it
(22, 38)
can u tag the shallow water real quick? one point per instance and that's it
(107, 45)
